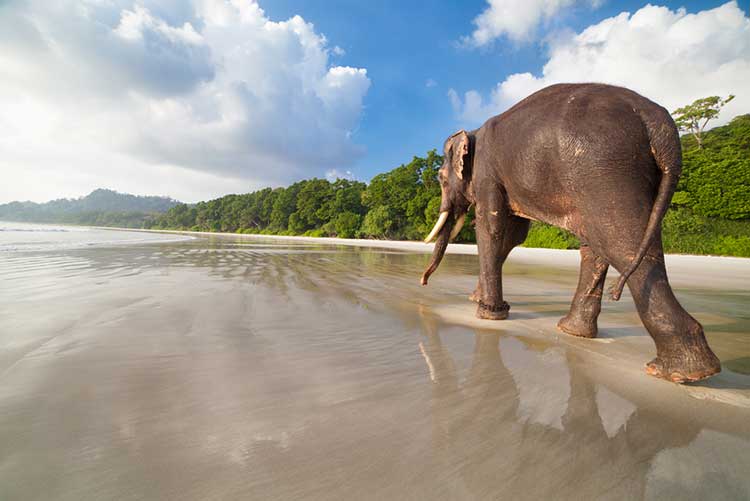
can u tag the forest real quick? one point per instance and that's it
(710, 211)
(101, 207)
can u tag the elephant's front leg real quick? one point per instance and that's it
(498, 231)
(491, 304)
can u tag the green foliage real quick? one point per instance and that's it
(685, 232)
(716, 179)
(694, 117)
(347, 196)
(728, 245)
(313, 205)
(406, 192)
(284, 206)
(98, 208)
(347, 224)
(467, 234)
(550, 237)
(377, 223)
(681, 198)
(316, 233)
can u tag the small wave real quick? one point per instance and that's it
(37, 246)
(20, 237)
(35, 230)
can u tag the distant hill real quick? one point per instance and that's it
(100, 207)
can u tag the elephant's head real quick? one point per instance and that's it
(455, 185)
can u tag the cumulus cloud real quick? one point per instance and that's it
(216, 93)
(334, 174)
(518, 21)
(671, 57)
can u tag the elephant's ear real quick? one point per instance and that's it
(460, 150)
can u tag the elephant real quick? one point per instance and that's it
(599, 161)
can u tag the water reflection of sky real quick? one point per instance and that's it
(548, 431)
(258, 370)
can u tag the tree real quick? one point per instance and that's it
(346, 224)
(405, 192)
(313, 201)
(377, 223)
(347, 197)
(284, 205)
(694, 117)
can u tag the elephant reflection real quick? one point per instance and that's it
(524, 422)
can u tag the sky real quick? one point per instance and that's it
(195, 99)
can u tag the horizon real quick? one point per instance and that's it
(198, 99)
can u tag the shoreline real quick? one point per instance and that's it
(405, 245)
(713, 272)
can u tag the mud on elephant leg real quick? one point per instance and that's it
(581, 320)
(682, 353)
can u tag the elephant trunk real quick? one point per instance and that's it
(444, 236)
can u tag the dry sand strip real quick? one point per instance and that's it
(701, 272)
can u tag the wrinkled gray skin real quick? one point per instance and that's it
(601, 162)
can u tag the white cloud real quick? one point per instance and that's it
(430, 83)
(516, 20)
(671, 57)
(122, 89)
(334, 174)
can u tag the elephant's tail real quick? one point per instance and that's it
(667, 152)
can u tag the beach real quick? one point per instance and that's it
(185, 366)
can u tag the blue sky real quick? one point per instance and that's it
(199, 98)
(404, 44)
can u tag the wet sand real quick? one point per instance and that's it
(238, 368)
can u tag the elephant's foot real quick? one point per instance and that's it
(577, 326)
(686, 368)
(488, 312)
(475, 296)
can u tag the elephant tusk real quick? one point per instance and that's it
(459, 225)
(438, 226)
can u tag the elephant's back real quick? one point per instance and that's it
(591, 109)
(569, 127)
(567, 141)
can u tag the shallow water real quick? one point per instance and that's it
(232, 368)
(25, 237)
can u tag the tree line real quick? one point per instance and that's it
(710, 212)
(400, 204)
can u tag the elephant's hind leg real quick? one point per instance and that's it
(682, 353)
(587, 302)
